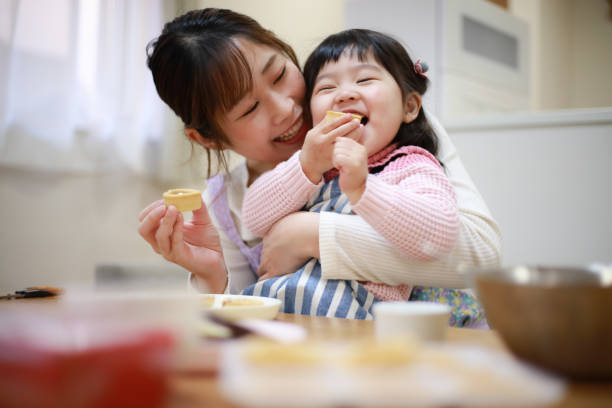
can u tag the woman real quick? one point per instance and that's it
(237, 86)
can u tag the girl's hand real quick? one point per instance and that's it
(289, 244)
(351, 160)
(194, 245)
(317, 151)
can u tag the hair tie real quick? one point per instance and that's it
(421, 67)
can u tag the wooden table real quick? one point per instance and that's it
(190, 390)
(202, 390)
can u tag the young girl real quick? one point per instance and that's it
(386, 173)
(236, 86)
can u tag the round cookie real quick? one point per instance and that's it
(184, 199)
(331, 115)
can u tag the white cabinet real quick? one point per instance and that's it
(478, 53)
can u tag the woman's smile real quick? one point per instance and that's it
(295, 133)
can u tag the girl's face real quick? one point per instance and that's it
(267, 125)
(365, 88)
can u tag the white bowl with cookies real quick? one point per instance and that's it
(239, 307)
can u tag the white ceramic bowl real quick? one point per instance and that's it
(426, 321)
(256, 307)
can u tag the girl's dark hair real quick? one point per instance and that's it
(390, 54)
(200, 72)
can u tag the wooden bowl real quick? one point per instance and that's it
(554, 317)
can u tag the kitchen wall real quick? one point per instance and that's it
(303, 24)
(57, 226)
(571, 54)
(544, 177)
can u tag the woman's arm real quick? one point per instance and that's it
(351, 249)
(239, 273)
(289, 244)
(194, 245)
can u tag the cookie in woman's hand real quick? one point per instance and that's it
(184, 199)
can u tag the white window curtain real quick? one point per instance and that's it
(75, 92)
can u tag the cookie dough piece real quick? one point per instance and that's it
(268, 353)
(244, 301)
(208, 301)
(184, 199)
(395, 352)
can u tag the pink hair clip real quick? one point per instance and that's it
(421, 67)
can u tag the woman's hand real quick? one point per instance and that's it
(351, 160)
(317, 151)
(194, 245)
(289, 244)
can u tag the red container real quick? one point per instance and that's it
(128, 371)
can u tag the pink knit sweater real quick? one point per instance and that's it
(410, 202)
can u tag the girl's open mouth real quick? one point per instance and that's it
(364, 118)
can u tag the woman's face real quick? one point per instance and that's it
(267, 125)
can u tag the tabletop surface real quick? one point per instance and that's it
(191, 390)
(202, 389)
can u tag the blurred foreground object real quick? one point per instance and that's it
(34, 292)
(373, 373)
(558, 318)
(240, 307)
(61, 363)
(426, 321)
(94, 349)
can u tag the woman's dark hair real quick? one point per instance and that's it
(390, 54)
(200, 72)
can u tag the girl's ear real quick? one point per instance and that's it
(412, 106)
(196, 137)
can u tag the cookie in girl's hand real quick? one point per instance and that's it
(184, 199)
(331, 115)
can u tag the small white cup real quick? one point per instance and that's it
(425, 321)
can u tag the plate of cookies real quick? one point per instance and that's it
(238, 307)
(391, 372)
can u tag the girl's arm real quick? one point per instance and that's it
(275, 194)
(287, 187)
(417, 214)
(351, 249)
(412, 204)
